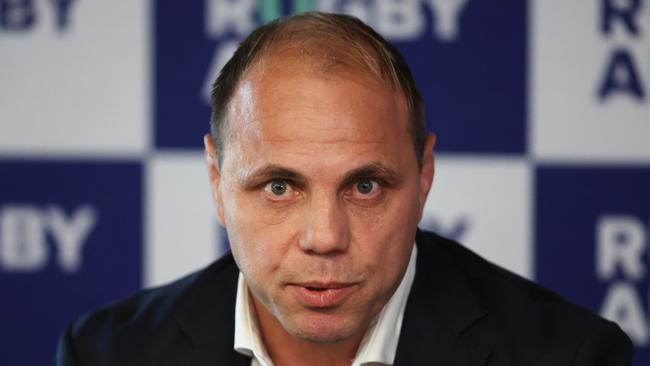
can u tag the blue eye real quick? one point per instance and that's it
(365, 186)
(278, 187)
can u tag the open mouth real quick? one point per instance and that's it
(315, 288)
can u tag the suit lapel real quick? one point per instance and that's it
(439, 309)
(207, 317)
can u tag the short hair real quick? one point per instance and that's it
(334, 40)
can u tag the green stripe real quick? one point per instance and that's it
(269, 10)
(301, 6)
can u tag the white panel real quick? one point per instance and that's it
(182, 229)
(569, 58)
(485, 203)
(78, 89)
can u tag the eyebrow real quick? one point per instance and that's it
(377, 170)
(269, 172)
(387, 175)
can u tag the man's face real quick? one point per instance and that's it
(320, 192)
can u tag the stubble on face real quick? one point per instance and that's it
(292, 126)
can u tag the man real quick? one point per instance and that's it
(320, 167)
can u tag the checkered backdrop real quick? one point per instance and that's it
(542, 110)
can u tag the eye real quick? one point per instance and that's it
(366, 187)
(277, 188)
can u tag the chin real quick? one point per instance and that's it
(322, 328)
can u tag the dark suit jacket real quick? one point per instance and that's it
(462, 310)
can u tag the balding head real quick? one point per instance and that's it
(323, 44)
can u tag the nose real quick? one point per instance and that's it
(325, 229)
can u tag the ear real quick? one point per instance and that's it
(214, 175)
(428, 169)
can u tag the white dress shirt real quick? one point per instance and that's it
(378, 346)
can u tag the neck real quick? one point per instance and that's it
(286, 350)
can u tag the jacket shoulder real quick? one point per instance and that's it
(522, 316)
(141, 325)
(493, 286)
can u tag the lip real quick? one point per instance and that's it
(322, 295)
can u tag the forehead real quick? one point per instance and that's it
(286, 105)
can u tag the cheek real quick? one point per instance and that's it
(258, 239)
(398, 211)
(384, 235)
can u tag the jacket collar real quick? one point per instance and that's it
(206, 316)
(440, 308)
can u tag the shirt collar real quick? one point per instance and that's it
(247, 335)
(378, 345)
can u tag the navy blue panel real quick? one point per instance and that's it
(570, 202)
(474, 86)
(38, 302)
(182, 58)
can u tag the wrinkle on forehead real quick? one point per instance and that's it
(251, 113)
(329, 137)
